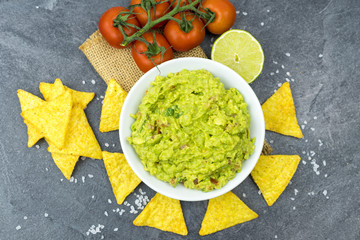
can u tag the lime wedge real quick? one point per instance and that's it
(240, 51)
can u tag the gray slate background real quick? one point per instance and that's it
(39, 42)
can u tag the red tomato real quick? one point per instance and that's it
(225, 15)
(112, 34)
(161, 10)
(182, 3)
(139, 48)
(180, 40)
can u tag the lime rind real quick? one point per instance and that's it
(239, 45)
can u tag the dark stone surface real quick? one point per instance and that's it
(39, 42)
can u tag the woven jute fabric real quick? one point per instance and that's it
(118, 64)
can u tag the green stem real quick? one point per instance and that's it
(168, 16)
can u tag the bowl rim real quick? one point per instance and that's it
(197, 194)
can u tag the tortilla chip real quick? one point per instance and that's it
(122, 178)
(163, 213)
(29, 101)
(273, 173)
(111, 108)
(223, 212)
(80, 139)
(52, 118)
(51, 91)
(66, 163)
(279, 113)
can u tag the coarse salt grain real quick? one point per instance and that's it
(262, 23)
(320, 55)
(295, 191)
(116, 229)
(288, 80)
(106, 213)
(272, 73)
(83, 178)
(109, 201)
(237, 12)
(277, 71)
(325, 192)
(303, 162)
(71, 179)
(93, 81)
(292, 80)
(244, 195)
(46, 169)
(324, 163)
(288, 73)
(271, 141)
(101, 96)
(83, 82)
(46, 214)
(275, 62)
(287, 54)
(279, 84)
(244, 13)
(90, 175)
(107, 145)
(302, 126)
(312, 129)
(315, 117)
(282, 66)
(268, 11)
(259, 192)
(61, 179)
(292, 199)
(18, 227)
(25, 217)
(75, 180)
(92, 196)
(37, 146)
(294, 208)
(325, 175)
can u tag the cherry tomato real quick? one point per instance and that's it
(139, 48)
(161, 10)
(182, 3)
(180, 40)
(225, 15)
(112, 34)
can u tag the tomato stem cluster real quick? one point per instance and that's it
(148, 5)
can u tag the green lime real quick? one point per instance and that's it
(240, 51)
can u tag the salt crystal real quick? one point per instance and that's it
(71, 179)
(302, 126)
(97, 99)
(271, 141)
(259, 192)
(109, 201)
(244, 195)
(292, 80)
(102, 101)
(37, 146)
(312, 153)
(305, 122)
(83, 179)
(320, 55)
(315, 117)
(107, 145)
(296, 191)
(282, 66)
(288, 80)
(292, 199)
(306, 140)
(325, 175)
(287, 54)
(275, 62)
(303, 162)
(46, 215)
(327, 197)
(279, 84)
(294, 208)
(46, 169)
(83, 82)
(90, 175)
(25, 217)
(113, 145)
(106, 213)
(101, 96)
(312, 129)
(116, 229)
(262, 23)
(93, 81)
(102, 237)
(324, 163)
(303, 152)
(75, 180)
(287, 73)
(277, 71)
(275, 236)
(92, 196)
(18, 227)
(272, 73)
(237, 12)
(325, 192)
(61, 179)
(268, 11)
(244, 13)
(36, 7)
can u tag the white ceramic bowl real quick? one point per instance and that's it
(230, 79)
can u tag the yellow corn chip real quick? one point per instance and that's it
(29, 101)
(279, 113)
(273, 173)
(51, 91)
(111, 108)
(80, 139)
(122, 178)
(66, 163)
(52, 118)
(163, 213)
(223, 212)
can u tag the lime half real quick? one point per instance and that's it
(240, 51)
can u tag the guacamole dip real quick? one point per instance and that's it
(190, 130)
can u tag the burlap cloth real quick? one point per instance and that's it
(118, 64)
